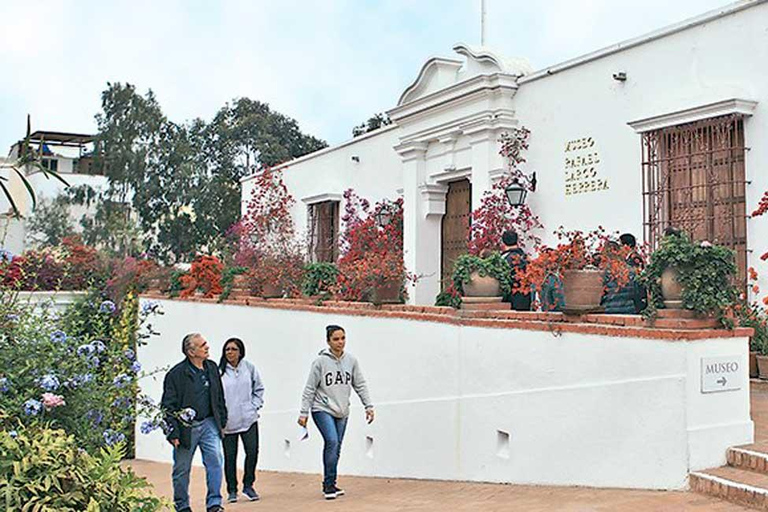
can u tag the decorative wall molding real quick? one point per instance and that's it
(321, 198)
(433, 196)
(689, 115)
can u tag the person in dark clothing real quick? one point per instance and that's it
(193, 400)
(628, 298)
(517, 259)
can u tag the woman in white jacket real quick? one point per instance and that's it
(244, 396)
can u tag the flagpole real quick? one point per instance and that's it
(482, 22)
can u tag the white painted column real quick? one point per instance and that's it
(414, 171)
(485, 148)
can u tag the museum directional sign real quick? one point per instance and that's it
(723, 373)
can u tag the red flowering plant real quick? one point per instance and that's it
(495, 215)
(84, 266)
(204, 275)
(266, 241)
(372, 248)
(577, 250)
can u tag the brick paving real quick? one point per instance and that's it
(293, 491)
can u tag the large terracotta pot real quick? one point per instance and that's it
(479, 286)
(387, 293)
(582, 289)
(753, 372)
(671, 290)
(762, 366)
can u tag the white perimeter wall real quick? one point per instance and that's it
(579, 409)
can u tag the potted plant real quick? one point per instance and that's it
(583, 263)
(319, 278)
(474, 276)
(702, 272)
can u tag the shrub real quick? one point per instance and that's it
(75, 371)
(43, 468)
(319, 278)
(228, 279)
(205, 275)
(493, 265)
(705, 272)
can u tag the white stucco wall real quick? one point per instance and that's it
(579, 409)
(704, 64)
(326, 174)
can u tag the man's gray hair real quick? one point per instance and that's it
(186, 343)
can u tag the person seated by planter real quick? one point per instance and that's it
(635, 260)
(551, 295)
(518, 261)
(621, 294)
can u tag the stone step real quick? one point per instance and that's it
(736, 485)
(751, 457)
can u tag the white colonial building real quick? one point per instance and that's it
(68, 154)
(666, 128)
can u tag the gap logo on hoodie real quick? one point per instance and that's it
(337, 378)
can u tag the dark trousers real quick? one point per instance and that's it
(251, 443)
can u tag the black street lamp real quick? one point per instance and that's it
(385, 214)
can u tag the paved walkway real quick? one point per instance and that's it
(292, 491)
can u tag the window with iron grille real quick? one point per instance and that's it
(694, 180)
(323, 231)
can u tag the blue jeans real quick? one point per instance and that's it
(332, 430)
(205, 434)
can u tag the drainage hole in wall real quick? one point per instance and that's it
(502, 444)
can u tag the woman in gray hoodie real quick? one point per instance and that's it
(244, 396)
(331, 378)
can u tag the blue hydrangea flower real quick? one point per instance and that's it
(150, 306)
(98, 346)
(136, 367)
(128, 419)
(107, 307)
(94, 362)
(49, 382)
(95, 417)
(4, 387)
(58, 336)
(85, 350)
(84, 378)
(129, 354)
(121, 380)
(12, 317)
(32, 407)
(148, 426)
(187, 414)
(112, 437)
(13, 434)
(121, 402)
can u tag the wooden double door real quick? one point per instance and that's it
(455, 227)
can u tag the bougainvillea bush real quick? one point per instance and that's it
(265, 240)
(75, 370)
(371, 254)
(68, 266)
(204, 275)
(495, 215)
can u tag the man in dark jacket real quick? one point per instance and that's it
(193, 400)
(517, 259)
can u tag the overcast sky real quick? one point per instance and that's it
(329, 64)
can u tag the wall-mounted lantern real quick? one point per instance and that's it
(516, 192)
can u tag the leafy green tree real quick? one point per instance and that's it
(50, 222)
(183, 180)
(373, 123)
